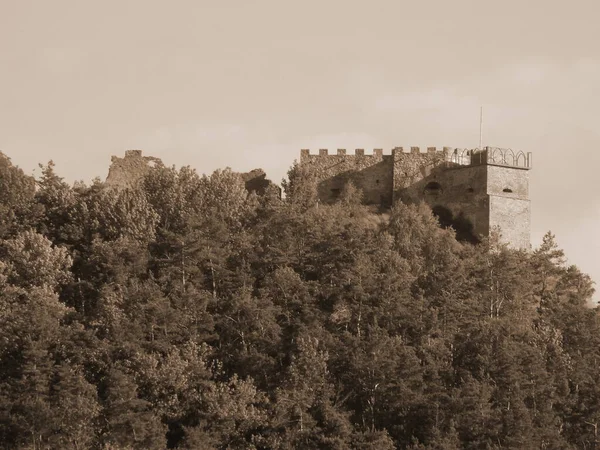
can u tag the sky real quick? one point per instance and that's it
(247, 84)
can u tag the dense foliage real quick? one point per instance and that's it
(189, 314)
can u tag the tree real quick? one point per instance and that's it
(301, 187)
(57, 200)
(186, 313)
(121, 213)
(176, 196)
(130, 420)
(32, 261)
(17, 190)
(30, 329)
(224, 196)
(75, 409)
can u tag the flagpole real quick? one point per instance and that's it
(481, 127)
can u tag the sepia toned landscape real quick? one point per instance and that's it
(167, 309)
(276, 225)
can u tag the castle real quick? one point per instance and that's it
(474, 190)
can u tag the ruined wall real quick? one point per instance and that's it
(372, 173)
(128, 171)
(256, 181)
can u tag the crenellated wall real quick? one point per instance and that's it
(372, 173)
(412, 167)
(472, 189)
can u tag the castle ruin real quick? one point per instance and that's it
(130, 170)
(474, 190)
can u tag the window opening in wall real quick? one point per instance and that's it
(507, 190)
(433, 188)
(470, 190)
(335, 192)
(376, 181)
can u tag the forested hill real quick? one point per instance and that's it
(186, 313)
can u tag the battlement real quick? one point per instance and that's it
(457, 156)
(375, 152)
(419, 151)
(479, 187)
(492, 155)
(342, 152)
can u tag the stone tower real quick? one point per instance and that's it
(128, 171)
(472, 190)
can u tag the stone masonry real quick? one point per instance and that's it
(472, 190)
(127, 172)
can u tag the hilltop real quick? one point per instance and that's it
(183, 311)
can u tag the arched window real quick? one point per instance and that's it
(432, 188)
(507, 190)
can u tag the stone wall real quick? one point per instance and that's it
(510, 211)
(128, 171)
(512, 217)
(413, 169)
(465, 189)
(462, 186)
(464, 195)
(372, 173)
(502, 179)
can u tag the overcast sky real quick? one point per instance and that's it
(249, 83)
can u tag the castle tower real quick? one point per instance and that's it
(474, 191)
(507, 188)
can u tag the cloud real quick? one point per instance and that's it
(430, 99)
(61, 60)
(348, 140)
(188, 136)
(529, 74)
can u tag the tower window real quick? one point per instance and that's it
(470, 190)
(507, 190)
